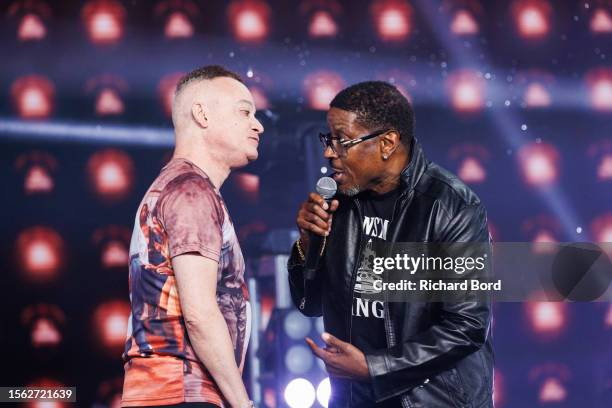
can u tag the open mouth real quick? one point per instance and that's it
(338, 175)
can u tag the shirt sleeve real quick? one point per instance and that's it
(192, 216)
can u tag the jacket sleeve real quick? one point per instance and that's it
(306, 296)
(463, 329)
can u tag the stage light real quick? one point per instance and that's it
(45, 404)
(552, 391)
(43, 322)
(392, 19)
(601, 153)
(471, 171)
(536, 96)
(540, 241)
(104, 21)
(544, 236)
(539, 164)
(113, 243)
(324, 392)
(108, 90)
(466, 91)
(532, 18)
(599, 82)
(300, 393)
(296, 325)
(110, 321)
(45, 333)
(33, 96)
(464, 23)
(601, 22)
(111, 174)
(31, 28)
(247, 186)
(298, 359)
(321, 87)
(114, 254)
(166, 90)
(32, 15)
(109, 103)
(601, 228)
(471, 159)
(604, 170)
(608, 321)
(249, 20)
(38, 167)
(601, 95)
(40, 252)
(543, 232)
(178, 25)
(46, 383)
(259, 97)
(322, 25)
(38, 180)
(547, 318)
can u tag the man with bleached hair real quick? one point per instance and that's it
(190, 320)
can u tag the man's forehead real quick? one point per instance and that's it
(342, 119)
(340, 116)
(246, 102)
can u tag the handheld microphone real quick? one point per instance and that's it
(326, 187)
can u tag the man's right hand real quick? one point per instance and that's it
(315, 215)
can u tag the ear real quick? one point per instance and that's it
(389, 143)
(200, 114)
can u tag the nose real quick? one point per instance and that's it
(257, 126)
(329, 153)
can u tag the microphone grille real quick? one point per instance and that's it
(326, 187)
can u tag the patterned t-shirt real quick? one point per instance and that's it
(181, 212)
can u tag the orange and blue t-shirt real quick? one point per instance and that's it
(182, 212)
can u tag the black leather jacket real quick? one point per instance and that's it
(439, 354)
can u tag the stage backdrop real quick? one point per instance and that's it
(514, 97)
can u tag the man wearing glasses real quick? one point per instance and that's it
(391, 354)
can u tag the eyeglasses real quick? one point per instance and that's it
(340, 146)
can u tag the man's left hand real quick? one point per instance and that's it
(342, 359)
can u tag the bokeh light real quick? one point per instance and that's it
(104, 21)
(392, 19)
(40, 253)
(532, 18)
(109, 323)
(249, 20)
(466, 90)
(539, 164)
(321, 87)
(300, 393)
(111, 174)
(33, 96)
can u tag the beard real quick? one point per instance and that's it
(350, 191)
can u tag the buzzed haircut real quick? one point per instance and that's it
(378, 106)
(206, 72)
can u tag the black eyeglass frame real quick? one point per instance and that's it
(326, 139)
